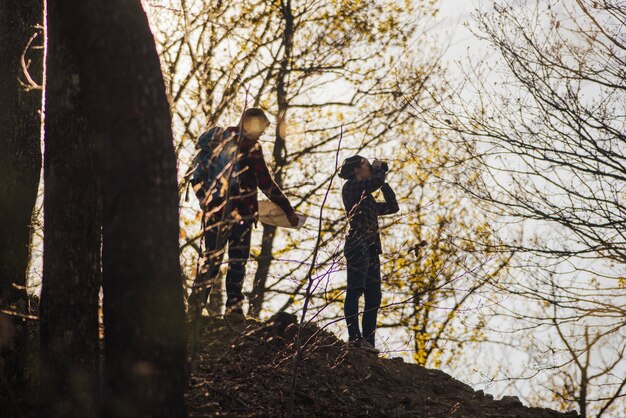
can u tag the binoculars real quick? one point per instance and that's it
(384, 166)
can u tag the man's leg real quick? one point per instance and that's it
(215, 236)
(373, 296)
(238, 253)
(357, 264)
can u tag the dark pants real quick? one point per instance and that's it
(363, 279)
(218, 234)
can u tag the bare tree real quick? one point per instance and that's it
(584, 361)
(552, 134)
(541, 134)
(288, 56)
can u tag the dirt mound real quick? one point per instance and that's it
(245, 369)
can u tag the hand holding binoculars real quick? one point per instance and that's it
(382, 164)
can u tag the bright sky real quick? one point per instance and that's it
(454, 16)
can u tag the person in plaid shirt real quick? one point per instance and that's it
(232, 223)
(363, 246)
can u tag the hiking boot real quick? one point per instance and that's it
(234, 315)
(365, 345)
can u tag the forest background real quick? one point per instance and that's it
(505, 133)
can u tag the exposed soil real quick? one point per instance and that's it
(245, 369)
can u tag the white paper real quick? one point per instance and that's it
(271, 214)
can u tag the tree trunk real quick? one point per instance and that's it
(260, 277)
(269, 232)
(71, 280)
(128, 118)
(20, 165)
(142, 281)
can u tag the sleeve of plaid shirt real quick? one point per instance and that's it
(266, 183)
(390, 205)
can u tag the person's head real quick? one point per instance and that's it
(254, 123)
(355, 167)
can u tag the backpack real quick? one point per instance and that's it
(213, 167)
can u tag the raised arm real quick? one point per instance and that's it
(390, 205)
(370, 185)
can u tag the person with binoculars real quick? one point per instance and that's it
(363, 245)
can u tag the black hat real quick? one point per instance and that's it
(348, 166)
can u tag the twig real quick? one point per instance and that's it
(32, 84)
(19, 315)
(298, 355)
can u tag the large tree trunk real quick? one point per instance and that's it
(71, 280)
(20, 165)
(142, 282)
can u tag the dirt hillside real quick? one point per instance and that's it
(245, 369)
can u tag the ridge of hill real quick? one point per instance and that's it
(244, 369)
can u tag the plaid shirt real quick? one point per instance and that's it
(363, 210)
(254, 173)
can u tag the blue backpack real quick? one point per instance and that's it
(213, 167)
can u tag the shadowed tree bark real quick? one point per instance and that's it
(129, 124)
(20, 164)
(71, 274)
